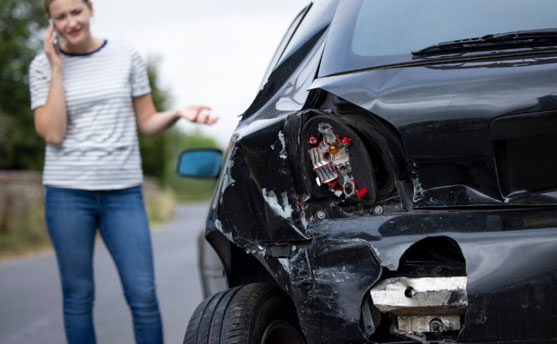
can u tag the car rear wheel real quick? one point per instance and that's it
(256, 313)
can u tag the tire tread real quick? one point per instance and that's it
(236, 315)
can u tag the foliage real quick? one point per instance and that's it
(20, 26)
(154, 149)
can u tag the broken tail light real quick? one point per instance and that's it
(331, 163)
(339, 161)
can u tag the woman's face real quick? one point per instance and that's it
(71, 18)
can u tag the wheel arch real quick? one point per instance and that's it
(238, 266)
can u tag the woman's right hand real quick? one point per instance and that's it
(51, 119)
(51, 50)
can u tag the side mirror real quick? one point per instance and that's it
(199, 163)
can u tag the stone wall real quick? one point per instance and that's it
(22, 192)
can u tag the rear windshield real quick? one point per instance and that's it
(370, 33)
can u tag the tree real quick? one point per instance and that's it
(154, 150)
(20, 25)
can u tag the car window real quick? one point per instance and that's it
(367, 33)
(318, 17)
(311, 20)
(283, 43)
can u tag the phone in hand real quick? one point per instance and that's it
(57, 38)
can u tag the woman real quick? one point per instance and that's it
(88, 95)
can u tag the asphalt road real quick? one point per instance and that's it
(31, 302)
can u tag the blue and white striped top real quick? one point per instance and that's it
(100, 150)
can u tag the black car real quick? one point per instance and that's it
(394, 180)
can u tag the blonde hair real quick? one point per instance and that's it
(48, 2)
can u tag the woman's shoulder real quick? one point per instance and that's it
(39, 61)
(121, 45)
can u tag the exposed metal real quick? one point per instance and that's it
(428, 323)
(426, 296)
(321, 215)
(331, 162)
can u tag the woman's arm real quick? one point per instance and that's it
(150, 122)
(51, 118)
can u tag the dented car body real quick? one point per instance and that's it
(400, 196)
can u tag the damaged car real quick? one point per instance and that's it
(394, 180)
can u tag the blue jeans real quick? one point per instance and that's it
(72, 218)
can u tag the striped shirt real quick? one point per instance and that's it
(100, 150)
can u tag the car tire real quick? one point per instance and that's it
(257, 313)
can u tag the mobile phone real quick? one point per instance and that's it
(56, 39)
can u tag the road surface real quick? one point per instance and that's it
(31, 302)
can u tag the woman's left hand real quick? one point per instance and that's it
(197, 114)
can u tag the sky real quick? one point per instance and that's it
(211, 52)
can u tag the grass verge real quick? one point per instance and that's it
(27, 234)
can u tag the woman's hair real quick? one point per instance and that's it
(48, 2)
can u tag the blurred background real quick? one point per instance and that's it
(212, 52)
